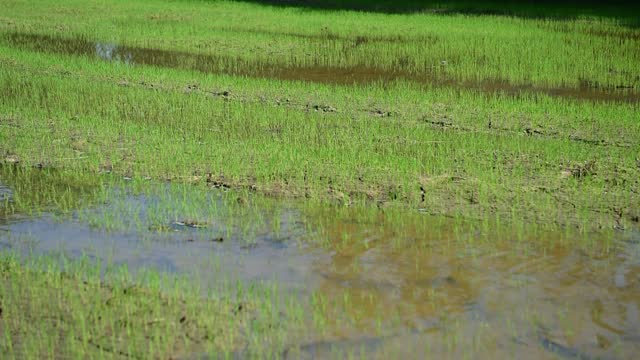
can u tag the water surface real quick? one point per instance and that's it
(414, 286)
(346, 75)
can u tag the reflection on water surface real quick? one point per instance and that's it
(349, 75)
(416, 286)
(109, 52)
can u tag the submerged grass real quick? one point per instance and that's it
(188, 212)
(34, 191)
(393, 281)
(76, 309)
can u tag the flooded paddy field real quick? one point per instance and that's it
(233, 179)
(368, 284)
(350, 75)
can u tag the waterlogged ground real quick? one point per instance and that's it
(526, 118)
(450, 184)
(386, 286)
(350, 75)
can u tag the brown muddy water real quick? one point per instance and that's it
(424, 288)
(206, 63)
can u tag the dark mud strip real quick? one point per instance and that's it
(323, 349)
(318, 74)
(562, 351)
(327, 35)
(616, 36)
(623, 35)
(565, 352)
(358, 348)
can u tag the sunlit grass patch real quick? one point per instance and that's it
(81, 309)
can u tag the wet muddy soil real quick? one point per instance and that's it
(206, 63)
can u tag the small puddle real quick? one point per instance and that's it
(414, 286)
(320, 74)
(109, 52)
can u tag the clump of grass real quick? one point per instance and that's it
(391, 278)
(463, 170)
(453, 150)
(590, 51)
(35, 190)
(68, 309)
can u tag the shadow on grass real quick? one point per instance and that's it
(627, 13)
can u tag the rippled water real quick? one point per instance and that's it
(413, 289)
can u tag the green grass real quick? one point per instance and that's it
(531, 9)
(151, 209)
(446, 146)
(549, 53)
(78, 309)
(534, 157)
(478, 115)
(88, 308)
(34, 191)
